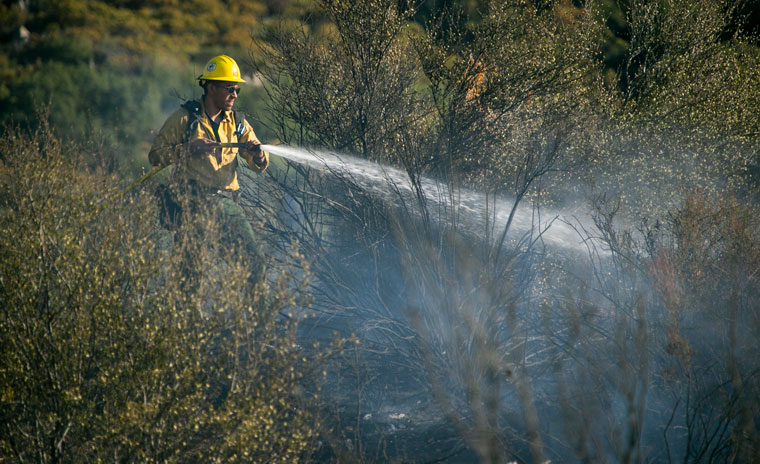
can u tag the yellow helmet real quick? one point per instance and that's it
(221, 68)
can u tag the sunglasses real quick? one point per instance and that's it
(230, 88)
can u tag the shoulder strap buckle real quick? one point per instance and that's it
(239, 119)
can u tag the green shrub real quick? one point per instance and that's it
(117, 344)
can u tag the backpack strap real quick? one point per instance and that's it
(239, 119)
(194, 115)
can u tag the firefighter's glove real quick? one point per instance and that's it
(254, 148)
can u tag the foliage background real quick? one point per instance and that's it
(114, 70)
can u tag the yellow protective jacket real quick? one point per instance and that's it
(216, 169)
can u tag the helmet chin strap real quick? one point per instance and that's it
(202, 83)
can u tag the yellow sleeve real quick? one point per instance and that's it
(166, 145)
(247, 136)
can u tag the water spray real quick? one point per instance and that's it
(387, 182)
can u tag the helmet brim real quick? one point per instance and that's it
(225, 79)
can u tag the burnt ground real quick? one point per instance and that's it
(381, 409)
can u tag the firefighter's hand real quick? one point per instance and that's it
(254, 148)
(202, 146)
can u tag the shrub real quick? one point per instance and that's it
(703, 264)
(118, 344)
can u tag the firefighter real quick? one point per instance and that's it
(205, 174)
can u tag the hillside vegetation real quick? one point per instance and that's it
(633, 123)
(110, 72)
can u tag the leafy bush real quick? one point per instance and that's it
(682, 117)
(118, 344)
